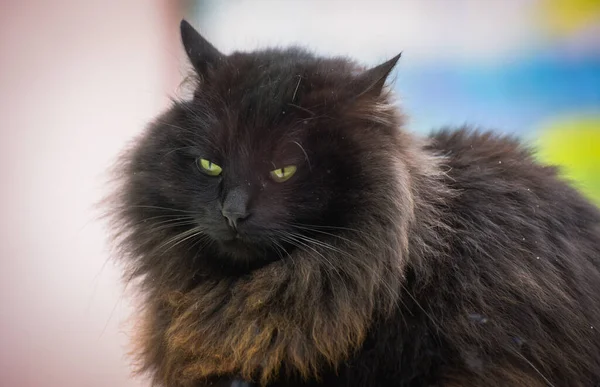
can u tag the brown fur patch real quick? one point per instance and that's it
(233, 328)
(250, 337)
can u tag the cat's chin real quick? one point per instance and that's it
(241, 251)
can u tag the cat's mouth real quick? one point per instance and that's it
(234, 236)
(242, 247)
(236, 239)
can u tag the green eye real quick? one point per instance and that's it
(209, 167)
(282, 174)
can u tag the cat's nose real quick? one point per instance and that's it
(235, 207)
(233, 218)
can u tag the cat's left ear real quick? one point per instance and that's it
(201, 53)
(371, 82)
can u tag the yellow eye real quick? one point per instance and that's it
(282, 174)
(209, 167)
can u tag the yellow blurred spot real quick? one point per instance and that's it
(565, 17)
(574, 145)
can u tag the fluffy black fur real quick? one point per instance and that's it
(386, 260)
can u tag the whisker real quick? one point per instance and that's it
(177, 238)
(302, 108)
(305, 154)
(534, 368)
(187, 130)
(284, 250)
(163, 208)
(325, 227)
(300, 242)
(350, 262)
(176, 149)
(434, 321)
(203, 242)
(329, 234)
(182, 240)
(197, 232)
(172, 218)
(297, 86)
(166, 226)
(318, 243)
(277, 247)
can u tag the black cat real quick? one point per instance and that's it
(285, 230)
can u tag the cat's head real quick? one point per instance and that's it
(277, 150)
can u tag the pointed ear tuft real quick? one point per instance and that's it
(201, 53)
(372, 81)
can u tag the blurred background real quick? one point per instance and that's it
(78, 80)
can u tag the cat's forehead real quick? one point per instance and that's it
(280, 91)
(285, 76)
(264, 140)
(267, 101)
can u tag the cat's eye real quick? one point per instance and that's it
(209, 167)
(282, 174)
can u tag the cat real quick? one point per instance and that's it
(284, 229)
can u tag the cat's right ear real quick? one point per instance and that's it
(201, 53)
(371, 82)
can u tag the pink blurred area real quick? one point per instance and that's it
(78, 79)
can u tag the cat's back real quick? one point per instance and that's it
(525, 255)
(504, 195)
(500, 173)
